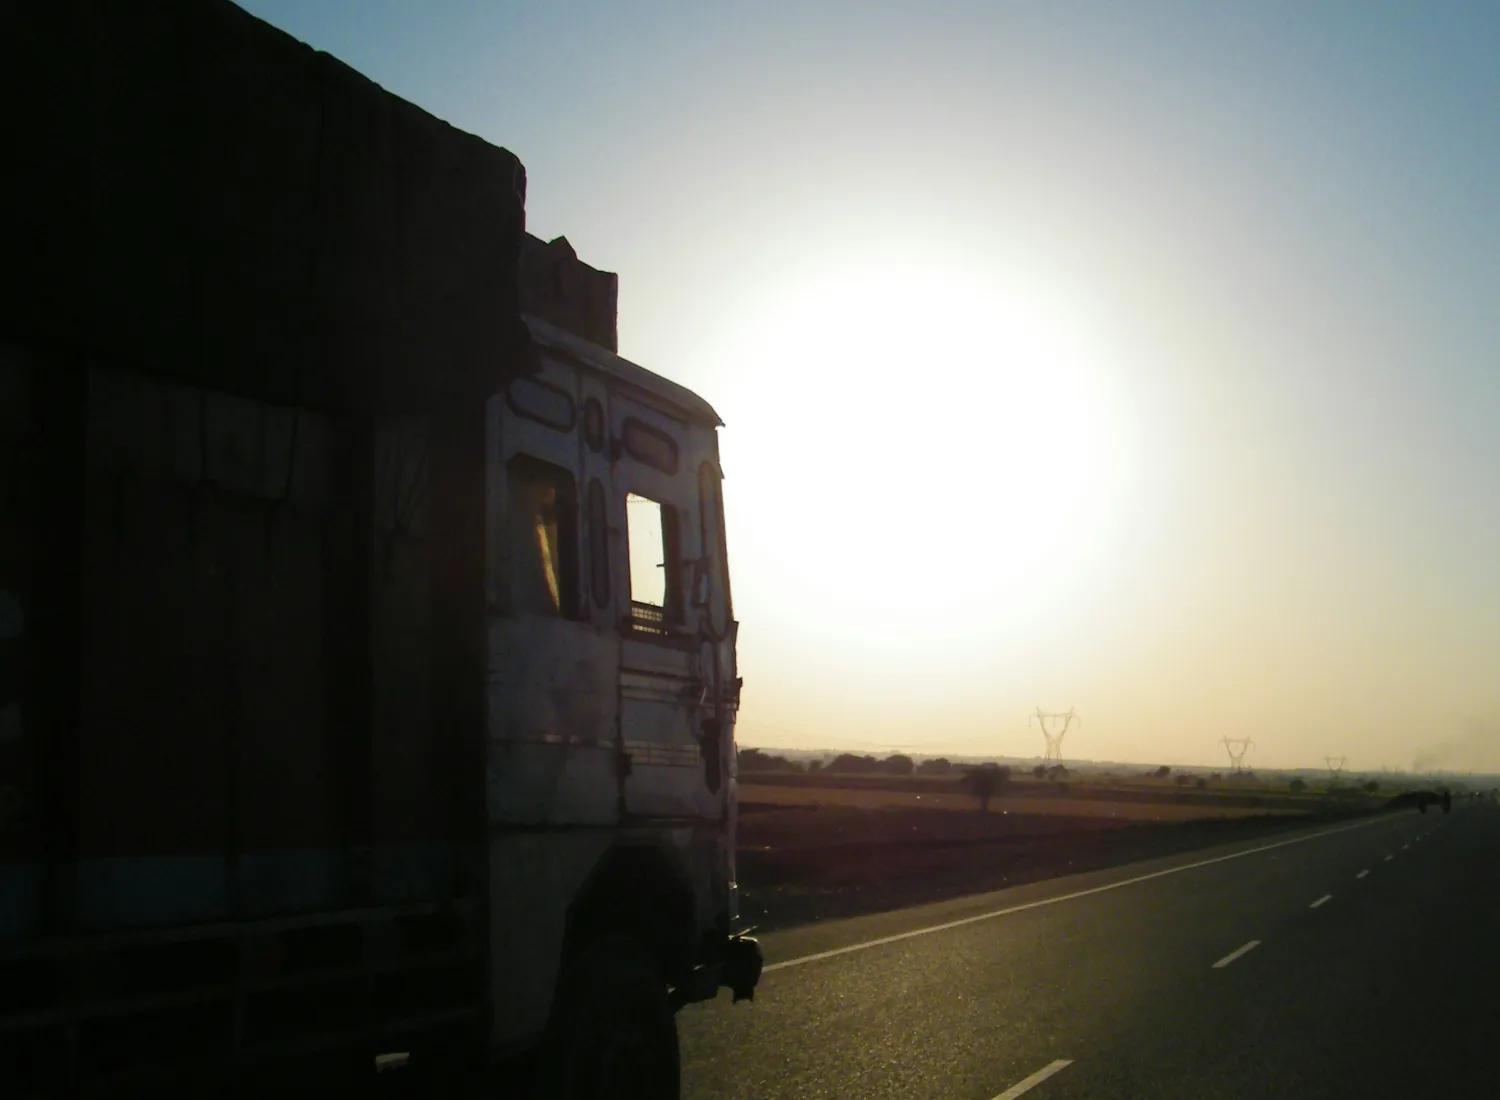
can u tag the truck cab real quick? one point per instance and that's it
(613, 685)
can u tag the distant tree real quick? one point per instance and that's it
(1216, 777)
(1202, 784)
(1163, 771)
(899, 765)
(815, 765)
(1039, 771)
(1371, 787)
(755, 760)
(938, 766)
(983, 782)
(846, 763)
(1297, 786)
(1183, 780)
(1057, 772)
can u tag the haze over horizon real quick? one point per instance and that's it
(1138, 359)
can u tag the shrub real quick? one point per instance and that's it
(1297, 786)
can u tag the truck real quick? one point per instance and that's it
(367, 654)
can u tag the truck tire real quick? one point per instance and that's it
(612, 1035)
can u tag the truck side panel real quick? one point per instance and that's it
(242, 634)
(21, 631)
(553, 692)
(210, 777)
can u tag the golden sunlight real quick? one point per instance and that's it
(918, 446)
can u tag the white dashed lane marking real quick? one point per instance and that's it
(1035, 1079)
(1236, 953)
(1321, 900)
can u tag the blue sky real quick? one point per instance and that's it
(1275, 229)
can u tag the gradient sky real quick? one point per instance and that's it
(1139, 358)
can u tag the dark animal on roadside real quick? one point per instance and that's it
(1421, 800)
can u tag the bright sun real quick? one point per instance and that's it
(909, 446)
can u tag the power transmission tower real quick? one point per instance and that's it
(1335, 765)
(1237, 747)
(1054, 729)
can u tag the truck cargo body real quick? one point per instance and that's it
(329, 725)
(206, 848)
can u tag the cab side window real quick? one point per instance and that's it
(543, 539)
(655, 561)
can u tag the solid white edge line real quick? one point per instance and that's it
(1389, 858)
(1404, 847)
(915, 932)
(1236, 953)
(1363, 873)
(1321, 900)
(1035, 1079)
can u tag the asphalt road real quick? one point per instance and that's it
(1374, 972)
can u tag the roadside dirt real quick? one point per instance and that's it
(804, 864)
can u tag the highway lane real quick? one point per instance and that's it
(1354, 986)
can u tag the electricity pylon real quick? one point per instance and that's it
(1055, 732)
(1335, 765)
(1237, 747)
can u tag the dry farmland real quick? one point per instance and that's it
(812, 847)
(1098, 805)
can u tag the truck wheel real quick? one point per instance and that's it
(612, 1035)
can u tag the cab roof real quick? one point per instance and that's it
(680, 400)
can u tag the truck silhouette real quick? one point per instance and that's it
(335, 734)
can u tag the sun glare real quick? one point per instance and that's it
(910, 447)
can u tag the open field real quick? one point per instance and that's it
(1223, 793)
(816, 847)
(1123, 807)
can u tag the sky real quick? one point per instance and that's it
(1134, 358)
